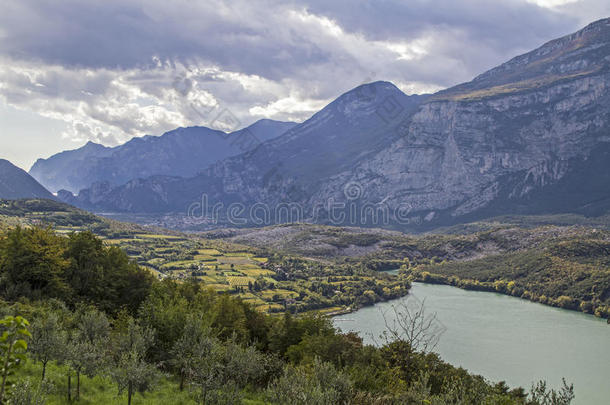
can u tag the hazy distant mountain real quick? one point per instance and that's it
(181, 152)
(340, 135)
(530, 136)
(15, 183)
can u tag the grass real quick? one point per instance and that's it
(256, 272)
(270, 307)
(210, 252)
(234, 260)
(102, 390)
(219, 287)
(510, 87)
(269, 294)
(240, 281)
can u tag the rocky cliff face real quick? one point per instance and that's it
(535, 127)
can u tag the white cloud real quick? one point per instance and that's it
(551, 3)
(126, 68)
(287, 107)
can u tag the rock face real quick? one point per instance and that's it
(530, 136)
(181, 152)
(15, 183)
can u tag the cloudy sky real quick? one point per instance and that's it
(106, 71)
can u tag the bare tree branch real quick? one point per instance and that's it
(408, 321)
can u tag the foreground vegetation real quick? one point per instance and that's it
(104, 330)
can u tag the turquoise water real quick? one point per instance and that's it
(507, 338)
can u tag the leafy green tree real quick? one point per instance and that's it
(184, 353)
(105, 276)
(229, 318)
(129, 368)
(221, 369)
(13, 346)
(85, 352)
(165, 311)
(32, 263)
(321, 384)
(48, 340)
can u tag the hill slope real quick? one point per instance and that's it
(16, 183)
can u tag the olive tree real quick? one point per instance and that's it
(129, 369)
(85, 347)
(48, 340)
(221, 370)
(185, 351)
(319, 385)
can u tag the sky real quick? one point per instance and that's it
(106, 71)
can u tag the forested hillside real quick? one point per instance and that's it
(100, 324)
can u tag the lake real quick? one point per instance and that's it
(507, 338)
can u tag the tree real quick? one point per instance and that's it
(48, 340)
(410, 323)
(183, 354)
(32, 264)
(87, 347)
(320, 385)
(541, 395)
(129, 368)
(220, 370)
(104, 275)
(13, 346)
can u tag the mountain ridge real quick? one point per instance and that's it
(181, 152)
(486, 147)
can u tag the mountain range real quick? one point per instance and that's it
(181, 152)
(529, 136)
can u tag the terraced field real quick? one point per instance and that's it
(269, 279)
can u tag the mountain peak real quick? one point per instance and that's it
(582, 53)
(600, 24)
(366, 98)
(379, 86)
(93, 145)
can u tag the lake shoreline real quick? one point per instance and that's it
(505, 338)
(475, 285)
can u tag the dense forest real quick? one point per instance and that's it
(83, 323)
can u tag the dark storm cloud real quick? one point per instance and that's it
(127, 34)
(109, 68)
(244, 36)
